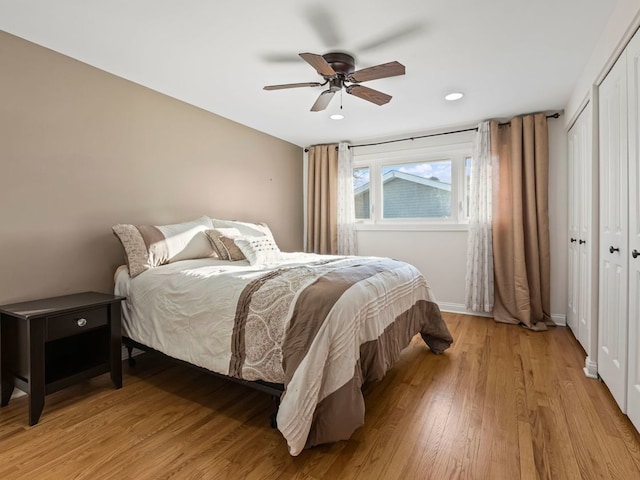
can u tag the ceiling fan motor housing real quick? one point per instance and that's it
(342, 63)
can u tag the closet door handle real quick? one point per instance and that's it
(611, 249)
(573, 240)
(635, 253)
(582, 241)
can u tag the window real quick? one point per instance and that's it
(428, 185)
(361, 192)
(417, 190)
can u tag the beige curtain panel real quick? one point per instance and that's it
(322, 199)
(521, 222)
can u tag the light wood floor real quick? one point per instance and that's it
(502, 403)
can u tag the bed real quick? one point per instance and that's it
(314, 327)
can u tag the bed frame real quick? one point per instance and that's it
(274, 389)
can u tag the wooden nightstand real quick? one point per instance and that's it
(49, 344)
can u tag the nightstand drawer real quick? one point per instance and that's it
(74, 323)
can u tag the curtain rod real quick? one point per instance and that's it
(555, 115)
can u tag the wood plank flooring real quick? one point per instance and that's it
(502, 403)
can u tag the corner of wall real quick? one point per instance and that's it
(622, 24)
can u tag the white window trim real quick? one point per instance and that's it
(416, 152)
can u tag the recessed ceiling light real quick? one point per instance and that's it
(454, 96)
(336, 116)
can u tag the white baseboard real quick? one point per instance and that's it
(558, 318)
(460, 308)
(590, 368)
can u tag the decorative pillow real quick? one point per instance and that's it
(222, 242)
(259, 250)
(246, 229)
(148, 246)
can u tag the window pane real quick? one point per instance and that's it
(361, 192)
(417, 190)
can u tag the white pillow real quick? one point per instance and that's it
(149, 246)
(259, 250)
(246, 229)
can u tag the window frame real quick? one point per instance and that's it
(457, 150)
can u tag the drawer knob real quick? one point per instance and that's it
(81, 322)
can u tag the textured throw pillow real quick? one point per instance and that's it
(222, 242)
(259, 250)
(148, 246)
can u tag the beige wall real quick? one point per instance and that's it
(81, 150)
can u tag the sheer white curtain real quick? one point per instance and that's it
(347, 241)
(479, 281)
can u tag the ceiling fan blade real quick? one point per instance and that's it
(292, 85)
(323, 22)
(369, 94)
(392, 36)
(323, 101)
(274, 57)
(385, 70)
(319, 63)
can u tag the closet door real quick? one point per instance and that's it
(633, 88)
(585, 229)
(581, 234)
(613, 264)
(574, 228)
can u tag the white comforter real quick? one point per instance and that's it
(187, 310)
(175, 307)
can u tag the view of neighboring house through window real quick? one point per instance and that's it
(417, 190)
(427, 185)
(361, 192)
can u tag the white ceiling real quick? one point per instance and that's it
(507, 56)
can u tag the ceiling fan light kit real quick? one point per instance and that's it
(338, 71)
(453, 96)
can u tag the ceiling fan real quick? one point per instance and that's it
(338, 71)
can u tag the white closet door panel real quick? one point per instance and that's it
(574, 290)
(574, 228)
(585, 229)
(581, 241)
(633, 88)
(633, 392)
(612, 359)
(584, 310)
(612, 324)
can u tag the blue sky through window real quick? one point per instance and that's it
(360, 177)
(439, 170)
